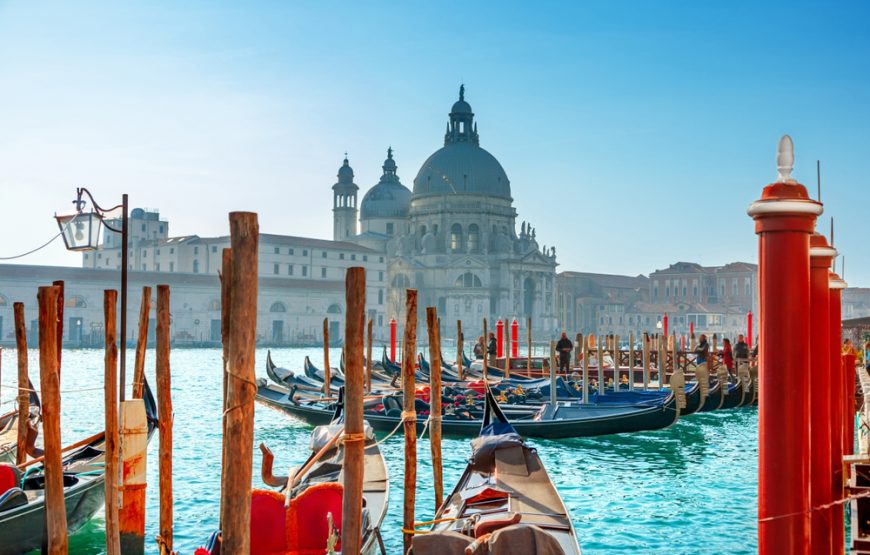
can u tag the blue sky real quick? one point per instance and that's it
(635, 133)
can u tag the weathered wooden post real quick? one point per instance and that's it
(164, 408)
(553, 397)
(507, 354)
(354, 432)
(586, 353)
(460, 347)
(23, 383)
(578, 349)
(241, 386)
(369, 356)
(327, 371)
(615, 351)
(113, 538)
(600, 361)
(631, 361)
(60, 304)
(529, 353)
(141, 343)
(49, 377)
(646, 360)
(226, 276)
(409, 413)
(663, 363)
(485, 351)
(435, 401)
(784, 220)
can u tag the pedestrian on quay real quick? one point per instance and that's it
(741, 349)
(478, 348)
(492, 344)
(702, 350)
(727, 356)
(564, 347)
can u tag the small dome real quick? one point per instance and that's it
(389, 198)
(460, 107)
(345, 172)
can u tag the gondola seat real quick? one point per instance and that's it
(268, 523)
(11, 494)
(307, 526)
(520, 538)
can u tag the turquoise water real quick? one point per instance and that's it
(688, 489)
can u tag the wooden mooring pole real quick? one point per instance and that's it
(59, 337)
(435, 401)
(113, 537)
(141, 343)
(409, 414)
(164, 408)
(369, 356)
(23, 383)
(226, 276)
(460, 347)
(529, 352)
(485, 350)
(354, 436)
(327, 371)
(241, 386)
(49, 377)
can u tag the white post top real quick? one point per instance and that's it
(785, 159)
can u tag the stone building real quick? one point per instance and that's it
(454, 237)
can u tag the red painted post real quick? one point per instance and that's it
(849, 359)
(784, 220)
(749, 329)
(837, 385)
(691, 329)
(392, 340)
(821, 473)
(499, 339)
(515, 339)
(665, 323)
(683, 343)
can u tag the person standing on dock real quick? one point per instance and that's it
(564, 346)
(727, 357)
(478, 348)
(492, 345)
(702, 350)
(741, 349)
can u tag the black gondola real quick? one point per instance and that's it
(22, 506)
(506, 492)
(566, 420)
(714, 398)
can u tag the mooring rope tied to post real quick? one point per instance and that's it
(822, 507)
(82, 390)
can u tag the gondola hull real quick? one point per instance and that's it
(693, 399)
(568, 420)
(22, 528)
(735, 396)
(714, 398)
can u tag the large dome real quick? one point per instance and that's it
(462, 168)
(389, 198)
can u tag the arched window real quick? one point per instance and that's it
(401, 281)
(468, 280)
(196, 266)
(456, 237)
(333, 309)
(473, 238)
(75, 301)
(277, 307)
(214, 304)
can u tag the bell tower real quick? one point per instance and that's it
(344, 206)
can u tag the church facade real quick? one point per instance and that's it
(454, 236)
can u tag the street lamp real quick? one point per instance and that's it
(81, 232)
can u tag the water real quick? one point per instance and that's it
(687, 489)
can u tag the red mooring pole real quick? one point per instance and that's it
(837, 385)
(749, 329)
(665, 324)
(515, 338)
(821, 471)
(499, 336)
(392, 340)
(784, 220)
(849, 403)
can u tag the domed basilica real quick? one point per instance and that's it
(454, 238)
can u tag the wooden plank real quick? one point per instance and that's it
(354, 437)
(409, 414)
(141, 343)
(49, 379)
(241, 385)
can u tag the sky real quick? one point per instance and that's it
(635, 133)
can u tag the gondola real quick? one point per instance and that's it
(287, 378)
(9, 430)
(565, 420)
(316, 373)
(447, 374)
(714, 398)
(302, 526)
(693, 398)
(22, 495)
(505, 498)
(735, 396)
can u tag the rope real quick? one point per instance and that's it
(406, 415)
(50, 241)
(818, 508)
(15, 387)
(351, 438)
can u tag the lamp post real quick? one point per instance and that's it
(81, 232)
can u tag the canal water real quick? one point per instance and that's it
(688, 489)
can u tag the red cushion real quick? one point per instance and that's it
(307, 524)
(8, 478)
(268, 523)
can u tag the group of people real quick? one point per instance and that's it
(481, 347)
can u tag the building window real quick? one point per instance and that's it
(289, 269)
(158, 252)
(365, 258)
(324, 254)
(734, 287)
(290, 252)
(87, 256)
(468, 280)
(684, 291)
(195, 250)
(304, 252)
(380, 319)
(667, 291)
(353, 257)
(172, 250)
(171, 266)
(275, 270)
(323, 272)
(304, 271)
(143, 227)
(214, 248)
(277, 307)
(473, 238)
(277, 250)
(144, 267)
(157, 267)
(382, 259)
(380, 296)
(161, 228)
(456, 237)
(196, 266)
(341, 256)
(380, 276)
(144, 252)
(390, 228)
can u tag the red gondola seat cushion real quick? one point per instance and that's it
(268, 523)
(307, 527)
